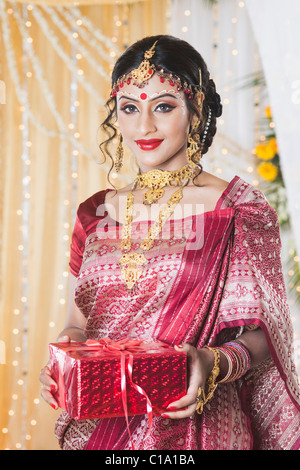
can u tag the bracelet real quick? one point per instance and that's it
(238, 359)
(204, 396)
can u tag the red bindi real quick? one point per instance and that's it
(143, 96)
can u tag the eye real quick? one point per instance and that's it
(164, 107)
(129, 108)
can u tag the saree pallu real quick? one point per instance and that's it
(202, 288)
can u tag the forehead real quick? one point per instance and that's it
(152, 89)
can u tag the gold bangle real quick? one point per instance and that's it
(204, 396)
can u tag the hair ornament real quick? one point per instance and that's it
(207, 125)
(146, 70)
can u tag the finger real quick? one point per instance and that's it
(182, 413)
(47, 380)
(63, 339)
(195, 376)
(49, 384)
(187, 348)
(184, 402)
(48, 397)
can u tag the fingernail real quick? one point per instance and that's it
(165, 416)
(53, 406)
(53, 388)
(171, 408)
(179, 345)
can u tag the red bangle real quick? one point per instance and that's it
(238, 359)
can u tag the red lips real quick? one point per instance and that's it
(149, 144)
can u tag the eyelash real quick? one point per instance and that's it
(131, 108)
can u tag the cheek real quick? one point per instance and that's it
(179, 127)
(124, 125)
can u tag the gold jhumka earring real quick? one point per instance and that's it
(119, 155)
(194, 146)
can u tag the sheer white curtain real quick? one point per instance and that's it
(238, 40)
(277, 32)
(223, 35)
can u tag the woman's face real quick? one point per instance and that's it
(154, 122)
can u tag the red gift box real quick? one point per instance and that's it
(101, 379)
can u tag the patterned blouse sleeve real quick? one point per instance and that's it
(77, 246)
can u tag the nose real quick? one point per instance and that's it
(146, 122)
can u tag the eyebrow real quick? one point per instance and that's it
(152, 99)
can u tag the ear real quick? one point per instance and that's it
(201, 99)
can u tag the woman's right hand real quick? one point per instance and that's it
(48, 384)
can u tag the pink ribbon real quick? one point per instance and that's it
(125, 346)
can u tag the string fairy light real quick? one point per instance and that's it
(95, 33)
(63, 131)
(85, 34)
(20, 332)
(67, 132)
(57, 47)
(2, 102)
(69, 34)
(39, 75)
(19, 22)
(69, 194)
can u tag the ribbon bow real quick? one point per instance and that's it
(125, 346)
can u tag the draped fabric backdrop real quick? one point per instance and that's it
(242, 41)
(278, 41)
(55, 63)
(222, 34)
(278, 37)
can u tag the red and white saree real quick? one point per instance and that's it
(208, 277)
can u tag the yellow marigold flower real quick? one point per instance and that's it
(273, 144)
(265, 151)
(268, 112)
(267, 171)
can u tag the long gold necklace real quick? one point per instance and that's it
(131, 263)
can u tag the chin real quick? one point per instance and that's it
(170, 164)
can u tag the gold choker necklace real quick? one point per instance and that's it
(156, 180)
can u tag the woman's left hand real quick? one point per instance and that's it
(200, 365)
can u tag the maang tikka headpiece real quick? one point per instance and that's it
(145, 71)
